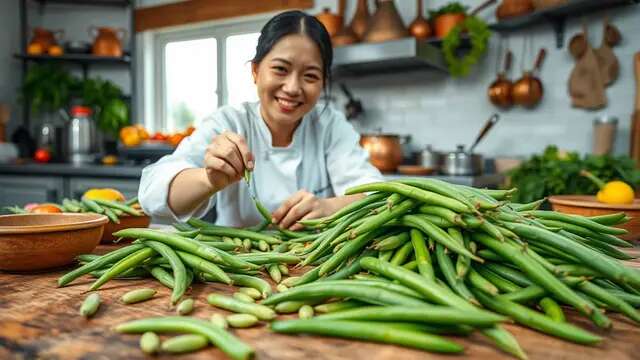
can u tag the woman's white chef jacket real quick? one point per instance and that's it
(324, 158)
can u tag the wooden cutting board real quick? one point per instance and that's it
(38, 320)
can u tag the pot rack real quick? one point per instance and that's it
(557, 16)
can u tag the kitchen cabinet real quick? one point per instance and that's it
(23, 190)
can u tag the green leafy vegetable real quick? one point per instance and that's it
(479, 35)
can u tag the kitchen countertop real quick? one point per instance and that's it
(135, 170)
(39, 320)
(62, 169)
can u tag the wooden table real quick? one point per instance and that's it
(39, 320)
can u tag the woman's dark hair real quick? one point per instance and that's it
(296, 22)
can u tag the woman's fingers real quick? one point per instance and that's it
(311, 215)
(242, 147)
(217, 164)
(225, 149)
(286, 206)
(299, 205)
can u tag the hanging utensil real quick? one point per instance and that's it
(500, 90)
(386, 24)
(353, 108)
(528, 90)
(360, 20)
(419, 27)
(607, 60)
(345, 35)
(635, 118)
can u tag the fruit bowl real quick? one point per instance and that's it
(41, 241)
(587, 205)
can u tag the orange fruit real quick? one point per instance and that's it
(175, 139)
(55, 50)
(35, 49)
(142, 132)
(104, 194)
(45, 209)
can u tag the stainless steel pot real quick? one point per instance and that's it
(430, 158)
(461, 162)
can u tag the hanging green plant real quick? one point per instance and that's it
(47, 88)
(479, 35)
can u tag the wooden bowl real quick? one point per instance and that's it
(587, 205)
(41, 241)
(126, 221)
(415, 170)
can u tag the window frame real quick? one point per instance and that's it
(153, 107)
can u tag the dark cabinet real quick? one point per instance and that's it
(21, 190)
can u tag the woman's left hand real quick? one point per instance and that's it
(301, 206)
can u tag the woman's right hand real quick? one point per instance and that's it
(226, 158)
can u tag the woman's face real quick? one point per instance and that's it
(289, 80)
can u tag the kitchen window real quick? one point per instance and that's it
(196, 71)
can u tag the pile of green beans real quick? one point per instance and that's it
(426, 244)
(114, 210)
(411, 262)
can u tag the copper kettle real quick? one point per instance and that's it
(419, 27)
(385, 150)
(386, 24)
(528, 90)
(107, 41)
(331, 22)
(345, 35)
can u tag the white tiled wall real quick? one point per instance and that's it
(444, 111)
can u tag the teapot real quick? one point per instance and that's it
(107, 41)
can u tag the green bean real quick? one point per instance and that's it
(609, 268)
(111, 215)
(633, 300)
(252, 282)
(225, 341)
(583, 233)
(535, 320)
(374, 222)
(149, 342)
(349, 270)
(131, 273)
(552, 309)
(70, 206)
(241, 320)
(543, 278)
(92, 205)
(356, 205)
(288, 307)
(179, 271)
(184, 343)
(447, 270)
(240, 233)
(616, 303)
(338, 306)
(90, 305)
(377, 283)
(162, 276)
(442, 212)
(98, 263)
(437, 234)
(479, 282)
(231, 304)
(219, 320)
(116, 205)
(220, 245)
(576, 270)
(305, 312)
(253, 293)
(200, 237)
(362, 292)
(430, 314)
(203, 265)
(510, 274)
(422, 254)
(185, 307)
(609, 219)
(188, 245)
(489, 255)
(440, 187)
(392, 242)
(498, 281)
(243, 297)
(368, 331)
(499, 194)
(577, 220)
(274, 273)
(282, 287)
(269, 258)
(138, 295)
(352, 247)
(122, 265)
(534, 205)
(385, 255)
(131, 201)
(401, 255)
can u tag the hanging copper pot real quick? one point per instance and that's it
(345, 36)
(528, 90)
(331, 22)
(500, 90)
(360, 20)
(420, 28)
(385, 24)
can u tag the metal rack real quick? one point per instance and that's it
(83, 60)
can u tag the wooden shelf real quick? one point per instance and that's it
(110, 3)
(557, 15)
(84, 59)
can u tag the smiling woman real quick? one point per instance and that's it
(303, 155)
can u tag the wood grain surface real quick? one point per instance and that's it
(40, 321)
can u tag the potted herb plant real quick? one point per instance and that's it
(445, 18)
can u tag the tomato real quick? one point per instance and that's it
(45, 209)
(42, 156)
(175, 139)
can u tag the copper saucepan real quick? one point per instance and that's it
(528, 90)
(385, 150)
